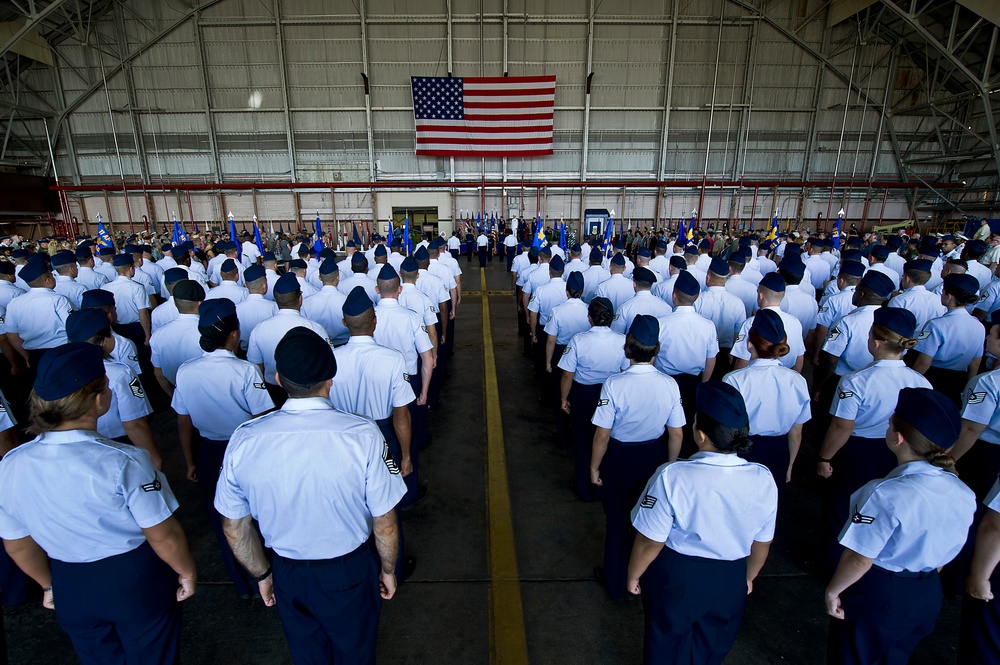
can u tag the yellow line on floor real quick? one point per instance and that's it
(508, 645)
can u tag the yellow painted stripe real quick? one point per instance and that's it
(508, 645)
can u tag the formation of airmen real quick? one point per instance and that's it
(685, 373)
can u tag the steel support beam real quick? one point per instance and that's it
(284, 88)
(368, 98)
(209, 121)
(122, 37)
(29, 25)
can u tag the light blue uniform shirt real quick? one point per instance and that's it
(130, 297)
(125, 353)
(401, 329)
(723, 309)
(793, 338)
(7, 420)
(128, 400)
(953, 340)
(163, 314)
(568, 319)
(617, 289)
(416, 300)
(836, 307)
(537, 277)
(713, 505)
(636, 404)
(802, 305)
(915, 519)
(230, 290)
(265, 337)
(220, 392)
(989, 299)
(992, 500)
(594, 355)
(524, 273)
(80, 496)
(981, 404)
(777, 398)
(848, 339)
(72, 289)
(174, 344)
(349, 281)
(335, 463)
(592, 278)
(745, 291)
(39, 318)
(868, 395)
(326, 308)
(643, 302)
(90, 278)
(546, 297)
(687, 341)
(371, 379)
(819, 270)
(923, 304)
(252, 312)
(432, 287)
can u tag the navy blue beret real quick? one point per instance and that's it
(253, 273)
(97, 298)
(768, 324)
(643, 275)
(304, 358)
(853, 268)
(723, 403)
(287, 283)
(878, 283)
(212, 311)
(357, 302)
(645, 329)
(900, 321)
(605, 303)
(719, 267)
(575, 281)
(328, 266)
(67, 369)
(33, 269)
(409, 264)
(83, 324)
(774, 282)
(687, 284)
(227, 266)
(557, 264)
(388, 273)
(965, 283)
(933, 414)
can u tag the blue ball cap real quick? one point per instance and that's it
(253, 273)
(227, 266)
(678, 262)
(920, 265)
(768, 324)
(687, 284)
(793, 266)
(122, 260)
(878, 283)
(773, 282)
(880, 252)
(900, 321)
(304, 358)
(933, 414)
(83, 324)
(380, 250)
(852, 268)
(409, 264)
(643, 275)
(387, 272)
(287, 283)
(557, 264)
(605, 303)
(645, 329)
(575, 281)
(174, 275)
(421, 254)
(966, 283)
(618, 260)
(63, 257)
(67, 369)
(212, 311)
(97, 298)
(33, 269)
(719, 267)
(644, 252)
(329, 266)
(357, 302)
(268, 256)
(723, 403)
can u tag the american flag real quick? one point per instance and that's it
(484, 117)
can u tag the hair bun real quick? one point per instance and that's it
(940, 458)
(742, 443)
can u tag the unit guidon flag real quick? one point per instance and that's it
(483, 117)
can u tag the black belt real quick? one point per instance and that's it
(361, 549)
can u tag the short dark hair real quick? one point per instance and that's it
(639, 352)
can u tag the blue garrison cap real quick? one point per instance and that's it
(619, 244)
(768, 324)
(304, 358)
(82, 254)
(253, 273)
(533, 251)
(212, 311)
(106, 251)
(995, 317)
(853, 268)
(705, 244)
(976, 247)
(678, 262)
(380, 250)
(287, 283)
(965, 283)
(189, 290)
(920, 265)
(327, 253)
(930, 250)
(687, 284)
(388, 272)
(744, 241)
(409, 264)
(576, 248)
(774, 282)
(644, 252)
(661, 244)
(121, 260)
(690, 249)
(850, 255)
(132, 249)
(178, 251)
(643, 275)
(83, 324)
(357, 302)
(421, 254)
(894, 242)
(268, 256)
(63, 257)
(34, 268)
(738, 258)
(19, 253)
(605, 303)
(596, 255)
(575, 281)
(618, 260)
(67, 369)
(878, 283)
(557, 264)
(723, 403)
(351, 243)
(227, 266)
(97, 298)
(174, 275)
(299, 264)
(719, 267)
(880, 252)
(7, 268)
(645, 329)
(933, 414)
(793, 250)
(900, 321)
(328, 266)
(793, 266)
(545, 251)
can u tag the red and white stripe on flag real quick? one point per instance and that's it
(484, 117)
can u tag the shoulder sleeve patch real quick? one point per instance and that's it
(260, 385)
(834, 334)
(975, 398)
(406, 377)
(154, 486)
(924, 335)
(740, 337)
(823, 308)
(647, 501)
(136, 387)
(566, 350)
(603, 402)
(389, 462)
(984, 296)
(844, 394)
(858, 518)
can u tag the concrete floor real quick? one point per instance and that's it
(441, 615)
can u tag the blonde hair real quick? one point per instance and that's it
(921, 445)
(893, 338)
(46, 415)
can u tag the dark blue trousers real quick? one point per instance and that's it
(688, 386)
(772, 452)
(693, 607)
(951, 382)
(979, 638)
(14, 584)
(208, 462)
(625, 470)
(418, 439)
(329, 609)
(122, 609)
(483, 252)
(582, 404)
(396, 451)
(885, 617)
